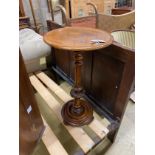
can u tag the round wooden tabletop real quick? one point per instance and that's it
(78, 38)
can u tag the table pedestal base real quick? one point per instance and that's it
(77, 116)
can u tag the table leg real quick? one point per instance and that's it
(77, 112)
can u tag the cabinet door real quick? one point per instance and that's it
(30, 123)
(62, 59)
(106, 77)
(112, 78)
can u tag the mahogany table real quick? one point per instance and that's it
(77, 112)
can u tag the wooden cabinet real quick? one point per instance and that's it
(30, 123)
(107, 76)
(112, 77)
(59, 59)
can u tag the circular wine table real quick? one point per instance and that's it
(77, 112)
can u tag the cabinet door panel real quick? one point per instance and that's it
(106, 76)
(62, 61)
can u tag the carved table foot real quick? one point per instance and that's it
(77, 116)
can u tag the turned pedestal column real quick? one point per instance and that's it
(77, 112)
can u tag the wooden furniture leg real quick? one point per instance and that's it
(77, 112)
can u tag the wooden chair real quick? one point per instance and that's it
(24, 21)
(101, 21)
(115, 22)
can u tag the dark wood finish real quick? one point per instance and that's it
(86, 70)
(59, 58)
(51, 25)
(113, 68)
(107, 76)
(30, 123)
(77, 112)
(121, 10)
(67, 68)
(77, 38)
(113, 128)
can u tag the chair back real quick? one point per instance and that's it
(115, 22)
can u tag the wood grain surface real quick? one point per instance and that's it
(77, 38)
(52, 142)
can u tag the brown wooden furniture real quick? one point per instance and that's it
(24, 21)
(96, 20)
(21, 9)
(121, 10)
(107, 77)
(30, 123)
(77, 112)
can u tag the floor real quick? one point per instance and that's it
(125, 140)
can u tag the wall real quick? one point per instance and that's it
(79, 7)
